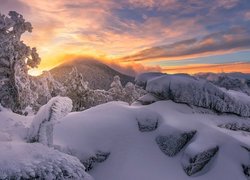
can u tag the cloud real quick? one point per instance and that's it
(131, 69)
(134, 69)
(216, 68)
(144, 29)
(247, 16)
(186, 6)
(227, 4)
(234, 39)
(14, 5)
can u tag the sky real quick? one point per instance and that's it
(172, 36)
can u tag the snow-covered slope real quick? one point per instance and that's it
(183, 88)
(163, 140)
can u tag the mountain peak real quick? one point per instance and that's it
(98, 74)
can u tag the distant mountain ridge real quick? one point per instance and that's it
(231, 81)
(98, 74)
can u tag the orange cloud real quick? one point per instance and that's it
(223, 42)
(91, 28)
(216, 68)
(133, 69)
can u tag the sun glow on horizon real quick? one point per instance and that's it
(137, 33)
(35, 72)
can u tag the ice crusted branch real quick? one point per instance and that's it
(41, 129)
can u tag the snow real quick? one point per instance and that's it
(41, 129)
(118, 141)
(113, 128)
(184, 128)
(198, 92)
(35, 161)
(141, 79)
(22, 160)
(231, 81)
(148, 99)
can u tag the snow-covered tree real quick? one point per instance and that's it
(116, 89)
(44, 88)
(130, 93)
(15, 60)
(77, 89)
(41, 129)
(97, 97)
(55, 87)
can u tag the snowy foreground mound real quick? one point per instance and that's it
(182, 88)
(163, 140)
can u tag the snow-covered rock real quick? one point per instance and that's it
(194, 164)
(173, 143)
(147, 120)
(246, 170)
(198, 92)
(148, 99)
(230, 81)
(235, 126)
(142, 79)
(99, 157)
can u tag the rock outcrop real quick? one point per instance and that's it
(193, 164)
(186, 89)
(172, 144)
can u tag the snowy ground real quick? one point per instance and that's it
(135, 155)
(115, 141)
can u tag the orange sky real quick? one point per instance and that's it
(142, 35)
(217, 68)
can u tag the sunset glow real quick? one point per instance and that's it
(143, 35)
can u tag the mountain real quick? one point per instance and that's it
(99, 75)
(231, 81)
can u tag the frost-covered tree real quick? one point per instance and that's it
(15, 60)
(116, 89)
(131, 93)
(55, 87)
(77, 89)
(45, 87)
(41, 129)
(97, 97)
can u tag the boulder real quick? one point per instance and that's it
(195, 163)
(97, 158)
(172, 144)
